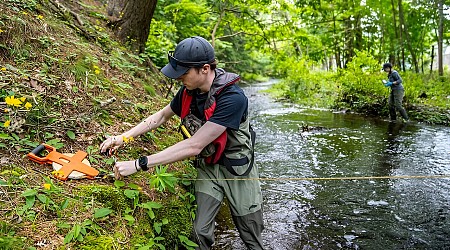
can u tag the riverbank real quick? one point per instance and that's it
(358, 88)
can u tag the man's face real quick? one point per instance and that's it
(387, 69)
(193, 78)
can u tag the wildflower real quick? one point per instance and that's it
(58, 173)
(1, 31)
(22, 99)
(28, 105)
(40, 17)
(7, 110)
(11, 101)
(47, 186)
(24, 13)
(127, 139)
(3, 69)
(7, 123)
(96, 69)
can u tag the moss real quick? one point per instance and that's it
(180, 221)
(109, 196)
(105, 242)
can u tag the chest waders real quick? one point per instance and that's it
(233, 149)
(230, 156)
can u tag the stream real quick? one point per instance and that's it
(335, 213)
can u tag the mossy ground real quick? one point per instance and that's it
(83, 86)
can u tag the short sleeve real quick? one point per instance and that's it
(231, 107)
(176, 102)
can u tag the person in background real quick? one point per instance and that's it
(215, 124)
(397, 93)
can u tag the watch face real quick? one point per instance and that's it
(143, 162)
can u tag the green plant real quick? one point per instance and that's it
(188, 244)
(161, 180)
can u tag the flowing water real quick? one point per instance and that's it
(391, 213)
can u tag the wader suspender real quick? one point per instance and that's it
(228, 162)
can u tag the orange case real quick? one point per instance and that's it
(71, 163)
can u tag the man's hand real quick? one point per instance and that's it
(111, 144)
(388, 84)
(126, 168)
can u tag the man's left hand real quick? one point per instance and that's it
(388, 84)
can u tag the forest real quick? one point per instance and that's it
(75, 72)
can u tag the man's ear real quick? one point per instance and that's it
(205, 68)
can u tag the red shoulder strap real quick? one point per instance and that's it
(186, 100)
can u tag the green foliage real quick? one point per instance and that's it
(7, 237)
(304, 85)
(360, 84)
(162, 180)
(359, 88)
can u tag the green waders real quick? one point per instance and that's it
(395, 103)
(244, 197)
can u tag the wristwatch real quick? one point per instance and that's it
(143, 161)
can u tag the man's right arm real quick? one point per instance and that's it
(150, 123)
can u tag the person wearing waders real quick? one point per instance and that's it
(217, 131)
(397, 93)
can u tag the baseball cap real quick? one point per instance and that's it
(191, 52)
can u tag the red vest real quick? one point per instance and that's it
(221, 81)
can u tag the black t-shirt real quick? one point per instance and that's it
(231, 106)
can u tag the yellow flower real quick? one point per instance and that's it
(127, 139)
(58, 173)
(10, 100)
(47, 186)
(22, 99)
(97, 71)
(25, 13)
(40, 17)
(7, 123)
(1, 31)
(28, 105)
(3, 69)
(7, 110)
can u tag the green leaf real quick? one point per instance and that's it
(63, 225)
(64, 204)
(102, 212)
(131, 193)
(68, 238)
(4, 136)
(71, 134)
(118, 183)
(186, 241)
(130, 219)
(43, 198)
(157, 227)
(133, 186)
(29, 192)
(3, 183)
(76, 230)
(150, 205)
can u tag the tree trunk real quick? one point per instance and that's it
(131, 21)
(440, 38)
(397, 36)
(406, 36)
(432, 59)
